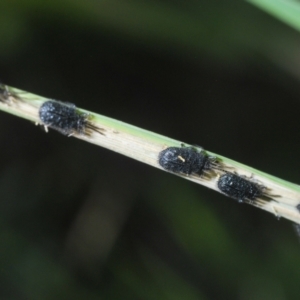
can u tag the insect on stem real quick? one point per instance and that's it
(65, 118)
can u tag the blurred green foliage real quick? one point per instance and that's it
(79, 222)
(287, 11)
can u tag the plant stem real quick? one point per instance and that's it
(145, 146)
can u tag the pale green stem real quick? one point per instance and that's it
(145, 146)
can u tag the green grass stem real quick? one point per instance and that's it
(145, 146)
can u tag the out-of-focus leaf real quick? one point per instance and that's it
(287, 11)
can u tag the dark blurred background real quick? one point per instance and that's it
(81, 222)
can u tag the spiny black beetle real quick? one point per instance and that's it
(65, 118)
(186, 160)
(239, 188)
